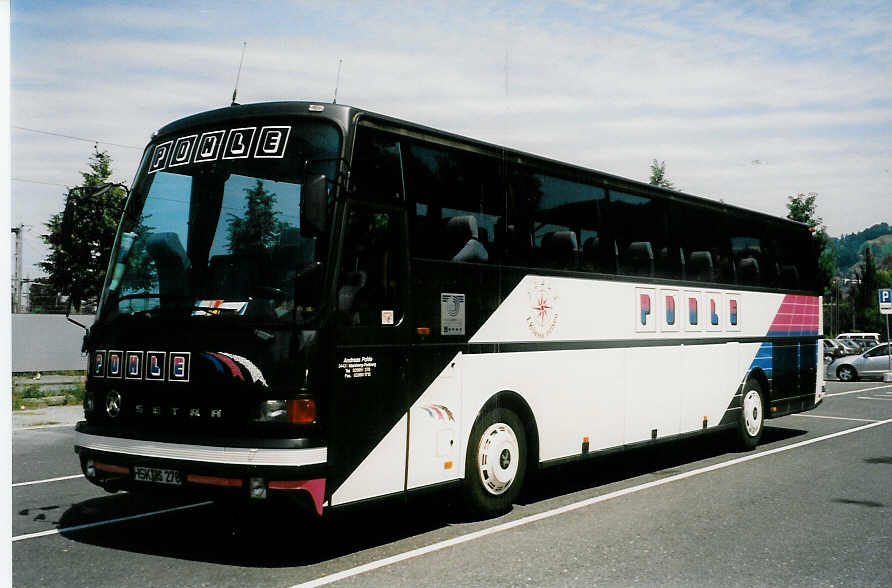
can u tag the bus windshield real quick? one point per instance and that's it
(212, 227)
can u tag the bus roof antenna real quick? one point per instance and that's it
(337, 82)
(239, 73)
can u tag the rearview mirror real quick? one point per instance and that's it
(314, 206)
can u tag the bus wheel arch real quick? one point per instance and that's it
(516, 404)
(758, 375)
(501, 447)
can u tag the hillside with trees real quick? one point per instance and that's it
(850, 248)
(864, 265)
(852, 268)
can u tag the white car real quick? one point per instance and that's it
(870, 364)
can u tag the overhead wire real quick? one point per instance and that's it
(73, 137)
(38, 182)
(31, 247)
(54, 134)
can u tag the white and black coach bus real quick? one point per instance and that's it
(321, 302)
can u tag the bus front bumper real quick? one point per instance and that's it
(117, 463)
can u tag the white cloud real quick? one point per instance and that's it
(708, 87)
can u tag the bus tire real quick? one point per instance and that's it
(495, 464)
(752, 416)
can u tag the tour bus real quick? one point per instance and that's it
(316, 301)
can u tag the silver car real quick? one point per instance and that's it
(870, 364)
(849, 347)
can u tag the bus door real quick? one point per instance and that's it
(367, 440)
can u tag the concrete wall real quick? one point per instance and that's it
(47, 342)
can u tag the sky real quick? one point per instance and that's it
(746, 102)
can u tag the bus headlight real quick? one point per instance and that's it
(273, 411)
(297, 411)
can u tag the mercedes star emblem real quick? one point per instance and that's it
(113, 403)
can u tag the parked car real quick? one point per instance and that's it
(832, 350)
(866, 343)
(865, 340)
(849, 346)
(870, 364)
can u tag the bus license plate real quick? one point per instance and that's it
(157, 476)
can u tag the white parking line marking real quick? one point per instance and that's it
(49, 480)
(108, 522)
(820, 416)
(349, 573)
(859, 391)
(35, 427)
(872, 398)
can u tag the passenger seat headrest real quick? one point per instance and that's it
(463, 226)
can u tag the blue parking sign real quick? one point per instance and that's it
(885, 298)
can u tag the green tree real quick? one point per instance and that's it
(658, 175)
(803, 208)
(77, 263)
(864, 294)
(258, 227)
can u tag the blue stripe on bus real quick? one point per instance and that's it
(763, 359)
(801, 333)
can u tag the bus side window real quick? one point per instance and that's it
(777, 250)
(701, 232)
(641, 226)
(565, 218)
(377, 170)
(457, 202)
(792, 249)
(369, 291)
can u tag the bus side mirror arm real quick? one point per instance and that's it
(314, 206)
(68, 222)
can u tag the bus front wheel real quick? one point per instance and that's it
(752, 416)
(495, 464)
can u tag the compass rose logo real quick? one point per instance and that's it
(542, 317)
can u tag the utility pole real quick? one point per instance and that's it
(17, 279)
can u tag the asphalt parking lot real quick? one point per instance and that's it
(811, 506)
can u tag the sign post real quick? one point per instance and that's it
(884, 296)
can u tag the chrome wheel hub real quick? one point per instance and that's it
(752, 412)
(497, 458)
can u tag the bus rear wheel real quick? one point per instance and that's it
(495, 464)
(752, 416)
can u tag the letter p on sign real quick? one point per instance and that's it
(885, 296)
